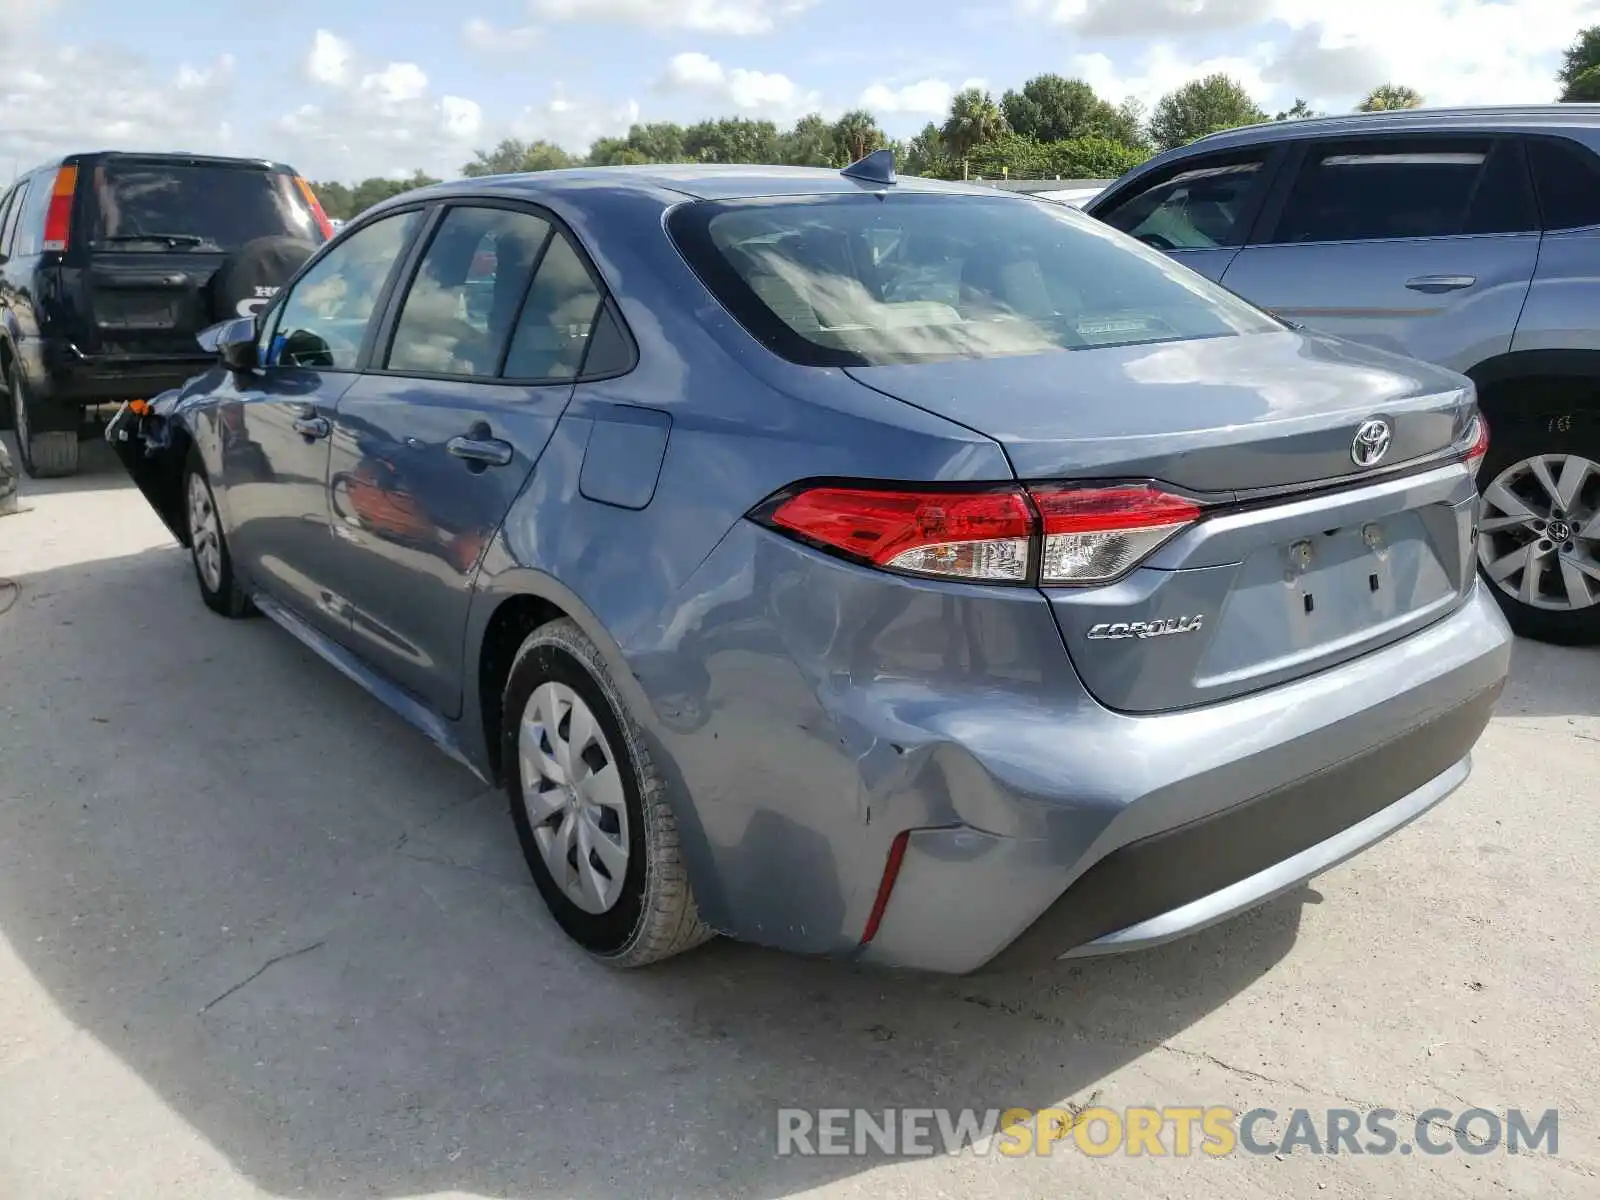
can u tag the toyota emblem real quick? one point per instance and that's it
(1372, 442)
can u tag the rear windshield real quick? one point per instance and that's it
(857, 280)
(166, 206)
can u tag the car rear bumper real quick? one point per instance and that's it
(1184, 819)
(62, 374)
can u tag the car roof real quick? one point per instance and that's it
(80, 157)
(1414, 120)
(699, 181)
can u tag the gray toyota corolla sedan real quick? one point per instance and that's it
(867, 567)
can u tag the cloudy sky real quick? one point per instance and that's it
(361, 87)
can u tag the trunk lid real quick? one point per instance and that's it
(1304, 559)
(1214, 414)
(148, 303)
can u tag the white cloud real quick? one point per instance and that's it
(375, 119)
(1452, 51)
(573, 124)
(738, 18)
(55, 98)
(484, 37)
(329, 60)
(1114, 18)
(924, 98)
(744, 91)
(1160, 70)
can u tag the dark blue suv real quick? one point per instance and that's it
(111, 263)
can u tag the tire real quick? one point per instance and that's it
(51, 454)
(632, 906)
(208, 547)
(1559, 601)
(262, 265)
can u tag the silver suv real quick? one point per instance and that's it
(1466, 237)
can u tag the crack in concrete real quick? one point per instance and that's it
(262, 970)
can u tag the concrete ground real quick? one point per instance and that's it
(257, 938)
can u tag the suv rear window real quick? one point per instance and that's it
(137, 204)
(859, 280)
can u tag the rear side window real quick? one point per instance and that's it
(557, 320)
(459, 311)
(859, 279)
(147, 204)
(323, 323)
(1200, 206)
(1568, 178)
(1406, 188)
(30, 209)
(10, 211)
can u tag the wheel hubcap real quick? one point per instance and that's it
(204, 538)
(1540, 532)
(572, 791)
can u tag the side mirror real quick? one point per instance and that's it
(234, 342)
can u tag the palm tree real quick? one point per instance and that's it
(1387, 96)
(974, 119)
(857, 135)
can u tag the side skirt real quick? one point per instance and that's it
(439, 730)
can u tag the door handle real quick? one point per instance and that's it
(1441, 283)
(312, 428)
(491, 452)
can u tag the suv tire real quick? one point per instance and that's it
(1540, 480)
(44, 455)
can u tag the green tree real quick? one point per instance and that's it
(614, 152)
(513, 156)
(1200, 107)
(1127, 124)
(1052, 108)
(925, 154)
(811, 143)
(658, 142)
(1389, 96)
(1582, 57)
(1297, 111)
(857, 135)
(1584, 88)
(732, 140)
(335, 199)
(346, 201)
(974, 119)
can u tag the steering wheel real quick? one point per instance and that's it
(1156, 240)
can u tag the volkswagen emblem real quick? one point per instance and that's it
(1372, 442)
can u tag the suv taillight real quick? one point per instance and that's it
(58, 216)
(1055, 536)
(315, 205)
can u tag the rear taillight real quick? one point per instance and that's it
(315, 205)
(1056, 536)
(959, 535)
(1479, 446)
(1095, 534)
(58, 216)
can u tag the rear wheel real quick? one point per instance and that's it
(1539, 534)
(208, 547)
(590, 807)
(45, 454)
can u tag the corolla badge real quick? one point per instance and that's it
(1371, 442)
(1116, 631)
